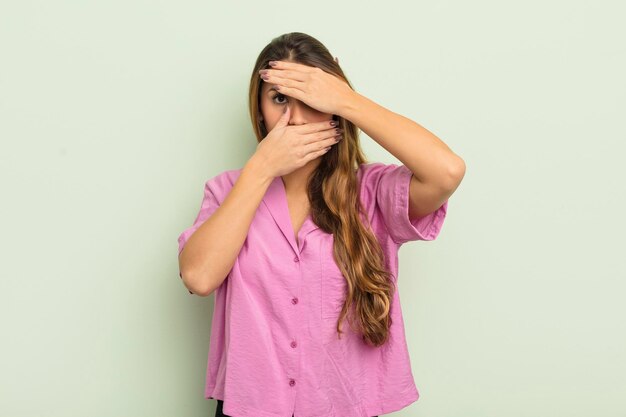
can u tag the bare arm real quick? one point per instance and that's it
(211, 251)
(437, 171)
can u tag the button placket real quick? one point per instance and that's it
(295, 300)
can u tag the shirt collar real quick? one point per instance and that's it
(275, 199)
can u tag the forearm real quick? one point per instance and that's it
(429, 158)
(211, 251)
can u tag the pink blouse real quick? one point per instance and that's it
(274, 350)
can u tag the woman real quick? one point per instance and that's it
(300, 245)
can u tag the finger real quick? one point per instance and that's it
(314, 127)
(283, 80)
(317, 137)
(320, 145)
(284, 118)
(289, 74)
(312, 155)
(291, 92)
(291, 65)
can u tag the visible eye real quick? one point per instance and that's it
(276, 96)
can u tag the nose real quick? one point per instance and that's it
(298, 112)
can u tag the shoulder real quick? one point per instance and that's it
(374, 171)
(374, 175)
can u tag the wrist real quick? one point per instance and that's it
(350, 105)
(257, 167)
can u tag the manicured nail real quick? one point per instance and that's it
(272, 63)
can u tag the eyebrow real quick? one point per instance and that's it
(272, 88)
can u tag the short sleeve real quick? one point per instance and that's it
(387, 187)
(208, 206)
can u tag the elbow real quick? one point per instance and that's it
(189, 277)
(205, 290)
(198, 284)
(201, 281)
(456, 172)
(195, 285)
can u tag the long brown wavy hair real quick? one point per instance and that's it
(335, 204)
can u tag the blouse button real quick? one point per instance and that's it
(294, 300)
(296, 259)
(292, 382)
(294, 344)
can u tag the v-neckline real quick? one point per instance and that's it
(307, 217)
(275, 199)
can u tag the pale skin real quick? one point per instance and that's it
(272, 104)
(314, 95)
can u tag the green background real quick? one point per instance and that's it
(115, 113)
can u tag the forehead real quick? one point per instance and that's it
(265, 86)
